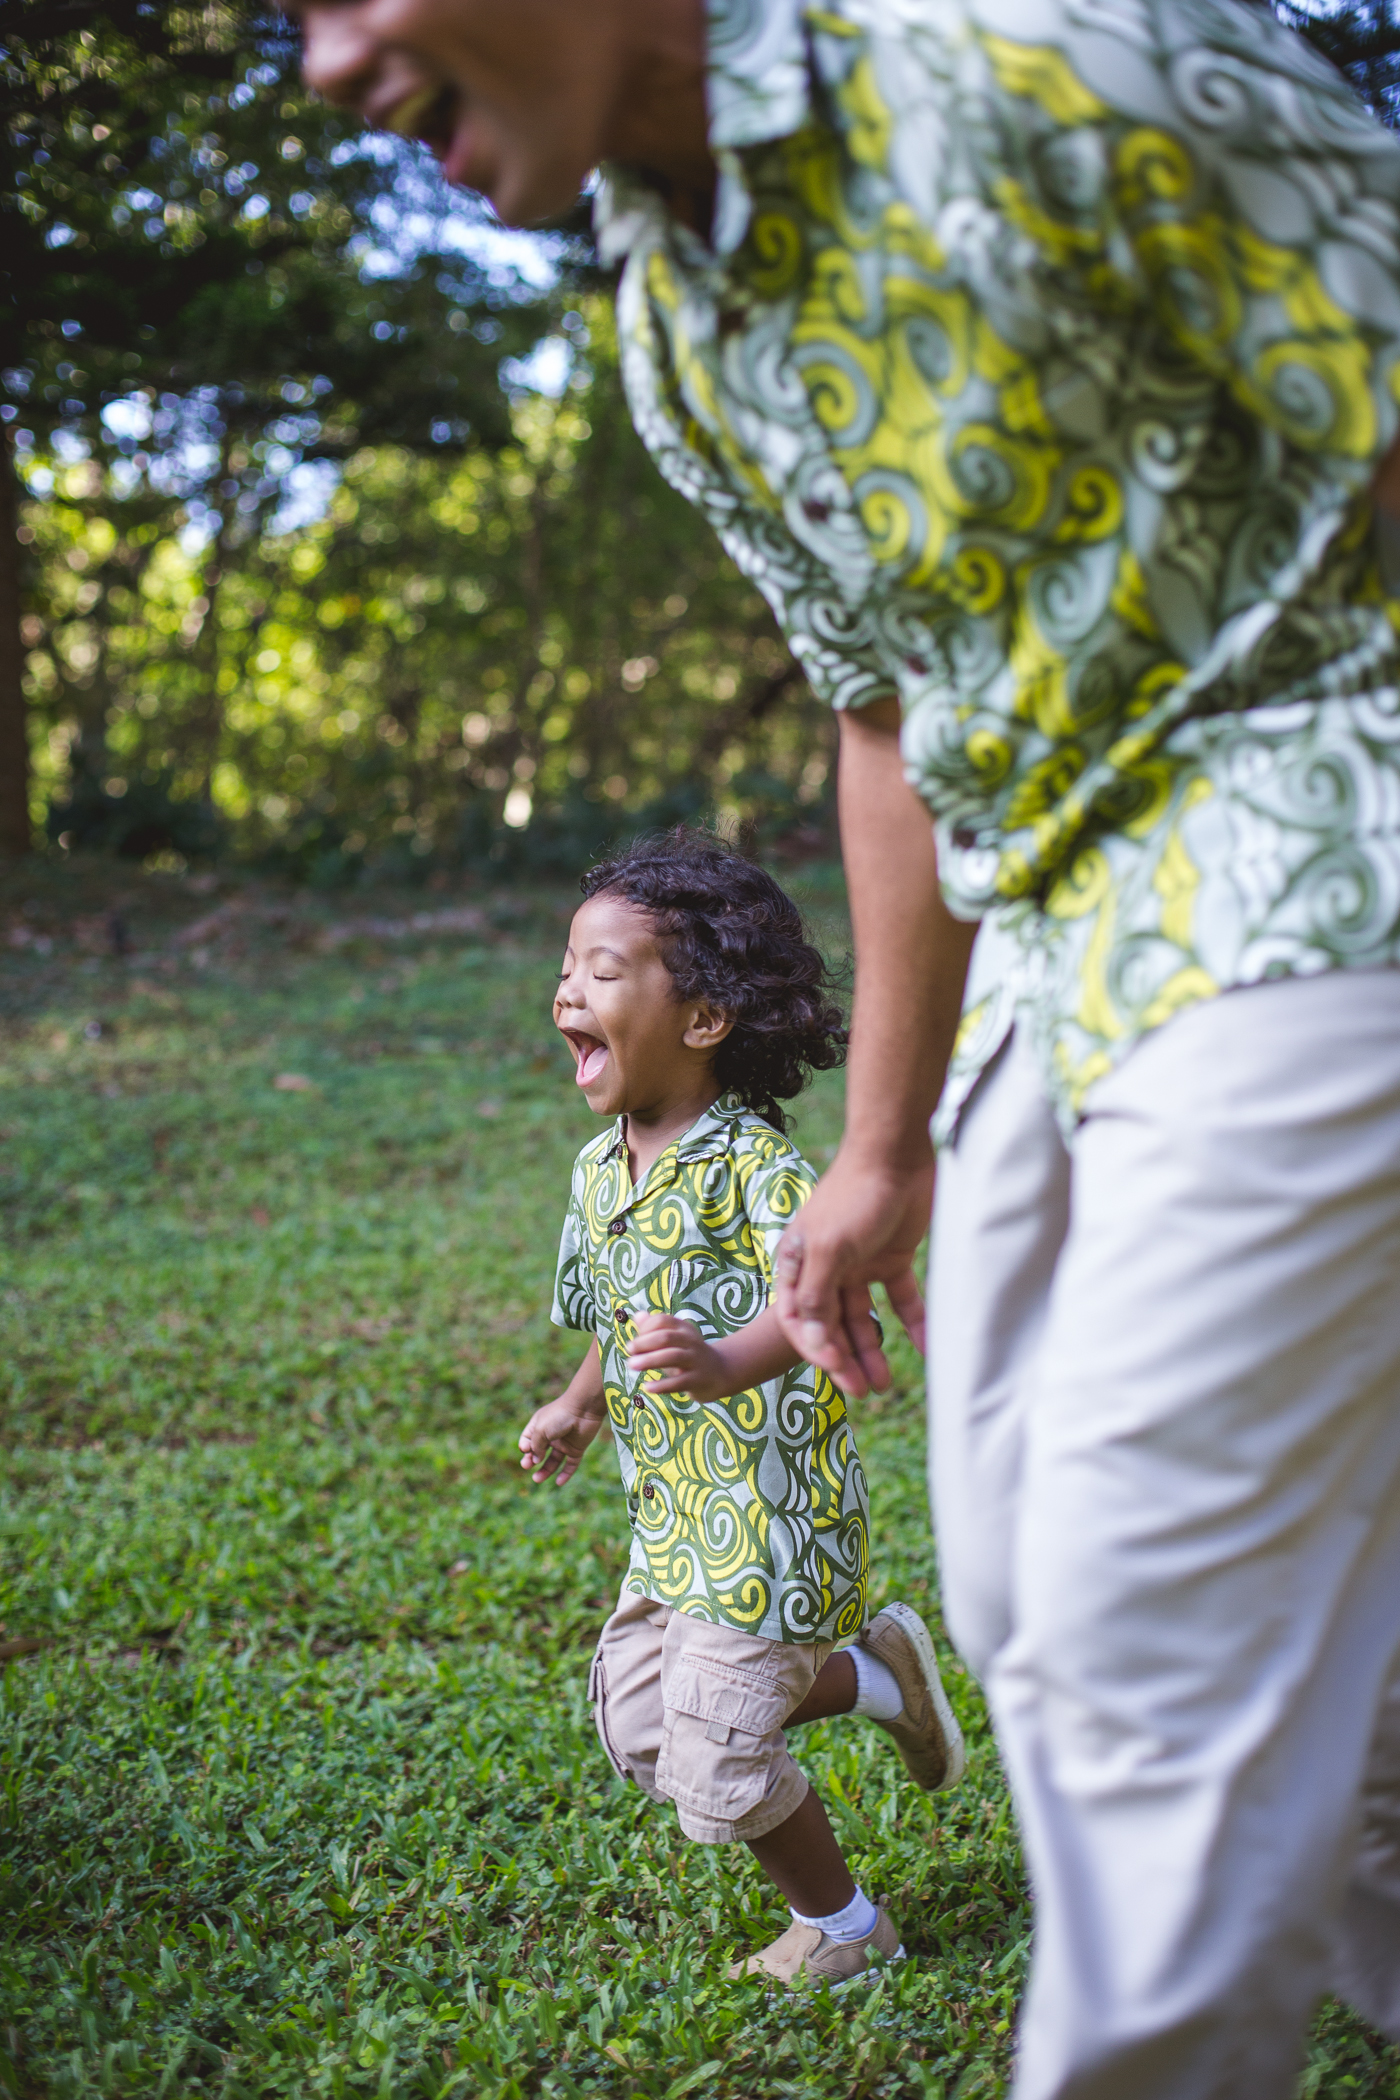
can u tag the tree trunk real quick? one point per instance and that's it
(14, 736)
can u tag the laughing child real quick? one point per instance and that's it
(694, 1007)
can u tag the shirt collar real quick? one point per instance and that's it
(758, 88)
(708, 1133)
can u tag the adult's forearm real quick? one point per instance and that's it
(868, 1213)
(911, 953)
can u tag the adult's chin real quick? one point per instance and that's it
(530, 193)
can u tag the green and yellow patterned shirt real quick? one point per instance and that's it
(749, 1511)
(1037, 371)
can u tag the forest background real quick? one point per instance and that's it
(325, 541)
(330, 547)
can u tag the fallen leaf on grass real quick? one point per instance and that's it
(29, 1644)
(294, 1083)
(460, 1567)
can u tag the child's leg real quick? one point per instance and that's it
(804, 1862)
(833, 1692)
(725, 1763)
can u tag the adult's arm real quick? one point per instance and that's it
(867, 1214)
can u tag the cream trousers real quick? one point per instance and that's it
(1165, 1415)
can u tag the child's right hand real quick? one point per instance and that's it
(555, 1438)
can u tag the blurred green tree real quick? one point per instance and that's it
(190, 298)
(498, 658)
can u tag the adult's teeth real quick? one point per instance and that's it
(406, 116)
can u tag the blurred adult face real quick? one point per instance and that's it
(517, 98)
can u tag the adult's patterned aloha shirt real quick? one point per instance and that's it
(750, 1511)
(1036, 372)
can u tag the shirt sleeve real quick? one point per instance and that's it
(777, 1182)
(574, 1304)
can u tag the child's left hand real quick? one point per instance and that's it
(677, 1348)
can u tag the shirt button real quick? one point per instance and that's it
(617, 1225)
(620, 1315)
(648, 1491)
(639, 1402)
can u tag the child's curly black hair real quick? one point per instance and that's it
(732, 936)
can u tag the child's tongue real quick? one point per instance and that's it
(592, 1063)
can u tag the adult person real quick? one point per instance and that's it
(1037, 362)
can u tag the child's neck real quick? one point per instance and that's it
(649, 1131)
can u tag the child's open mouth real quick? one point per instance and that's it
(591, 1053)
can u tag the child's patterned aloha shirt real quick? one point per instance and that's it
(750, 1511)
(1037, 374)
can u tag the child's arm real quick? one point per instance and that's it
(557, 1435)
(710, 1370)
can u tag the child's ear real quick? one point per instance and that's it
(707, 1028)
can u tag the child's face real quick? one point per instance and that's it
(638, 1048)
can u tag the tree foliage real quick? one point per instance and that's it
(190, 301)
(500, 655)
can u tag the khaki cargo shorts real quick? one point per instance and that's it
(694, 1714)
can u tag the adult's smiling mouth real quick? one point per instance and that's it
(590, 1052)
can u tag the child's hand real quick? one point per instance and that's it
(678, 1349)
(555, 1438)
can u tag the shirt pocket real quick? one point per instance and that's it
(722, 1727)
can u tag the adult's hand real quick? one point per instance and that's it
(860, 1226)
(866, 1216)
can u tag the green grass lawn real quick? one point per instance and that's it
(298, 1789)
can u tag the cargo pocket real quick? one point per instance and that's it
(598, 1700)
(720, 1738)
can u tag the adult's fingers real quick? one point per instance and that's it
(808, 1307)
(811, 1314)
(862, 1328)
(907, 1304)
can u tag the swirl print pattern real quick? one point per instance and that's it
(750, 1512)
(1037, 373)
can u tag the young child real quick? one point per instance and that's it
(694, 1006)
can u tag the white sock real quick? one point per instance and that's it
(877, 1687)
(852, 1923)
